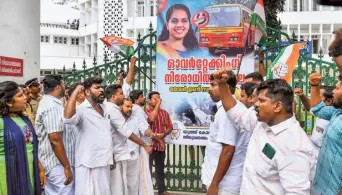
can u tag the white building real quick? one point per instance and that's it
(60, 38)
(19, 38)
(311, 22)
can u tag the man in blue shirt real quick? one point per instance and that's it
(329, 165)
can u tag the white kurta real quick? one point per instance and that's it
(132, 176)
(93, 151)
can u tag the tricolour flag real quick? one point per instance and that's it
(260, 23)
(285, 63)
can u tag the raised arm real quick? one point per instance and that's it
(130, 75)
(262, 69)
(242, 118)
(153, 115)
(70, 108)
(221, 77)
(305, 100)
(318, 107)
(315, 80)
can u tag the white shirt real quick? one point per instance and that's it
(126, 88)
(222, 131)
(49, 119)
(120, 132)
(139, 127)
(318, 133)
(94, 146)
(288, 171)
(139, 112)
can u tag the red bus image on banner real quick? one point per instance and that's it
(229, 28)
(11, 66)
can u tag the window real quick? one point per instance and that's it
(74, 41)
(141, 9)
(295, 5)
(60, 40)
(44, 39)
(152, 10)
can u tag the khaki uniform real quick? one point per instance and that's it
(34, 101)
(28, 112)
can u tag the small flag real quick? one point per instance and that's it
(285, 63)
(260, 23)
(117, 44)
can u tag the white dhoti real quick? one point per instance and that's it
(125, 177)
(55, 182)
(132, 177)
(92, 181)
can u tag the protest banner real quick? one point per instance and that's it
(194, 39)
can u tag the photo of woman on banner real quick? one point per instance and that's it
(178, 39)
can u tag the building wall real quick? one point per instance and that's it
(311, 22)
(20, 36)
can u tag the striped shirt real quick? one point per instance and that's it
(160, 125)
(279, 158)
(329, 165)
(49, 120)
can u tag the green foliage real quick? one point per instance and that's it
(272, 9)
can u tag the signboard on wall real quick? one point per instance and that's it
(11, 66)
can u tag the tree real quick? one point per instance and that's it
(272, 9)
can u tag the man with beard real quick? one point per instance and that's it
(139, 100)
(328, 174)
(137, 175)
(248, 96)
(121, 132)
(226, 149)
(280, 155)
(50, 131)
(94, 145)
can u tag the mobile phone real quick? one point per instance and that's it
(269, 151)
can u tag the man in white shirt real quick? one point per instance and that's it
(54, 152)
(139, 100)
(121, 132)
(138, 174)
(280, 155)
(94, 145)
(225, 151)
